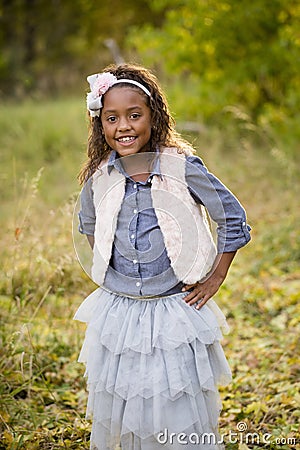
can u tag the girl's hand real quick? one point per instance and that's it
(205, 289)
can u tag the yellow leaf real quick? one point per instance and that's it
(243, 446)
(17, 233)
(8, 437)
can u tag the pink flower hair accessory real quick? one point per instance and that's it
(99, 84)
(102, 83)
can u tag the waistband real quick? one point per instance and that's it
(143, 297)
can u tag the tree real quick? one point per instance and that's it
(231, 51)
(49, 45)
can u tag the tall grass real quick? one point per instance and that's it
(48, 134)
(42, 391)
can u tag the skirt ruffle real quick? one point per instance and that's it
(152, 368)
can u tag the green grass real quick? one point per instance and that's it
(42, 390)
(45, 134)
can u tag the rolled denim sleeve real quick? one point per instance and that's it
(222, 206)
(86, 215)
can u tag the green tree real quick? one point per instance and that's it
(230, 51)
(48, 45)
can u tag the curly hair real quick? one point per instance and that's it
(163, 133)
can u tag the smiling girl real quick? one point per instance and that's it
(152, 347)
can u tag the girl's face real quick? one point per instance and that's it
(126, 121)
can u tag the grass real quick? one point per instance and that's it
(42, 390)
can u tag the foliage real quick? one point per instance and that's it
(213, 57)
(233, 51)
(48, 46)
(42, 390)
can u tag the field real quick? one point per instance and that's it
(42, 388)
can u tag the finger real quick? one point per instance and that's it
(195, 292)
(195, 302)
(203, 301)
(188, 287)
(196, 298)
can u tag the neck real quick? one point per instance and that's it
(139, 165)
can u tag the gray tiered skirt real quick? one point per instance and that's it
(152, 369)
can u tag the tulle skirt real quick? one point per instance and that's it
(152, 368)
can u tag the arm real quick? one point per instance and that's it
(233, 231)
(221, 204)
(91, 240)
(205, 289)
(87, 215)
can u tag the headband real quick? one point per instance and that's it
(99, 84)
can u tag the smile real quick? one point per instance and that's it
(126, 139)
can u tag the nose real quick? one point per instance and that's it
(123, 124)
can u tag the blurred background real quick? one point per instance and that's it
(231, 72)
(222, 53)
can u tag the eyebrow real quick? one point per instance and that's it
(110, 111)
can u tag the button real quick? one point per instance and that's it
(132, 236)
(137, 284)
(244, 223)
(135, 211)
(134, 261)
(135, 186)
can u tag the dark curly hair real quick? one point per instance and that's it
(163, 133)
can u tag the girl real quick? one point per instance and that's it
(152, 347)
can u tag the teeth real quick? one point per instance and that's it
(126, 139)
